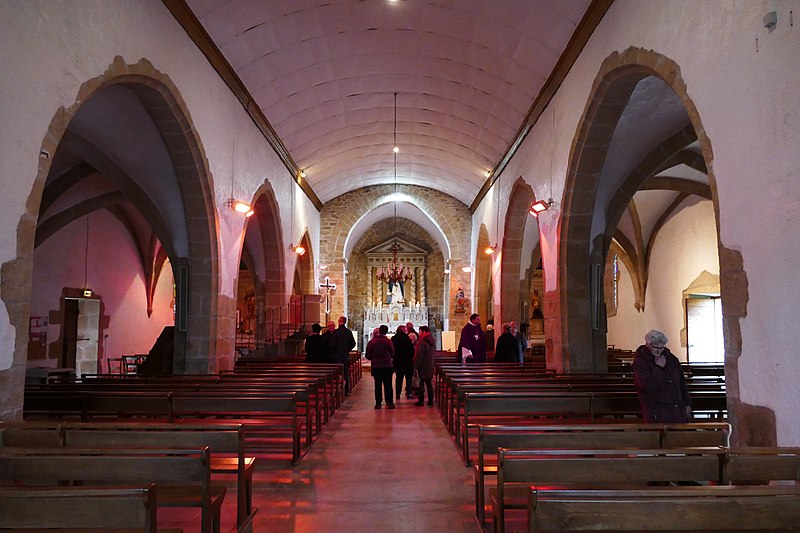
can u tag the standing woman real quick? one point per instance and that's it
(423, 364)
(380, 352)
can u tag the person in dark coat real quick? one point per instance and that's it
(380, 352)
(423, 364)
(403, 361)
(315, 347)
(343, 342)
(660, 385)
(507, 347)
(472, 339)
(521, 339)
(328, 342)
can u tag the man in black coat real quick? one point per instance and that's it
(315, 347)
(343, 342)
(403, 361)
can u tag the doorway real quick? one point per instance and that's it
(80, 349)
(704, 342)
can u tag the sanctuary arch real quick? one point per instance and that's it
(583, 249)
(449, 219)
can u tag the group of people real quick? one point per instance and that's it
(658, 376)
(332, 346)
(510, 348)
(405, 355)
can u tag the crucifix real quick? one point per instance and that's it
(328, 286)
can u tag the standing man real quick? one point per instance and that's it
(315, 347)
(660, 384)
(520, 340)
(328, 343)
(472, 340)
(403, 361)
(343, 343)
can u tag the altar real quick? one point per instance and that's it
(392, 315)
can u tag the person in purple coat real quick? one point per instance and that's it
(472, 339)
(380, 352)
(660, 384)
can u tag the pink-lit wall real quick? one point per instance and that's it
(114, 273)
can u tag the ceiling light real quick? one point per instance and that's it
(487, 173)
(240, 207)
(396, 149)
(302, 173)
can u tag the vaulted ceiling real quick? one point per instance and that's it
(324, 74)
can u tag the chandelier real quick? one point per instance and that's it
(394, 271)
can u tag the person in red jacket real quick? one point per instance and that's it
(423, 364)
(380, 352)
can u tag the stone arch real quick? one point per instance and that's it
(520, 199)
(304, 267)
(268, 218)
(482, 303)
(341, 214)
(582, 340)
(196, 331)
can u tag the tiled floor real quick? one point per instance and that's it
(370, 471)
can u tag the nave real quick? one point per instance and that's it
(390, 470)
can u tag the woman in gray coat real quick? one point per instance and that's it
(423, 364)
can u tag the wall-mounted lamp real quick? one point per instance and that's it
(466, 269)
(489, 250)
(323, 266)
(299, 249)
(447, 267)
(240, 207)
(540, 206)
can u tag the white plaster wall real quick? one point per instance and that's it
(50, 49)
(685, 246)
(747, 101)
(114, 273)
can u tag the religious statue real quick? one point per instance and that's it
(460, 301)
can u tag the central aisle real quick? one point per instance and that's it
(371, 470)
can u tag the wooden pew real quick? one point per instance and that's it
(182, 477)
(674, 509)
(79, 509)
(226, 444)
(598, 468)
(269, 421)
(587, 436)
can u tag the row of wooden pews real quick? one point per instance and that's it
(132, 430)
(559, 453)
(507, 393)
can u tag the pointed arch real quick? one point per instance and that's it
(520, 199)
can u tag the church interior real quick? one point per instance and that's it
(191, 184)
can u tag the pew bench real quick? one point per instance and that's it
(587, 436)
(182, 477)
(80, 510)
(666, 509)
(517, 469)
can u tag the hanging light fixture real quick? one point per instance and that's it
(394, 272)
(540, 206)
(232, 203)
